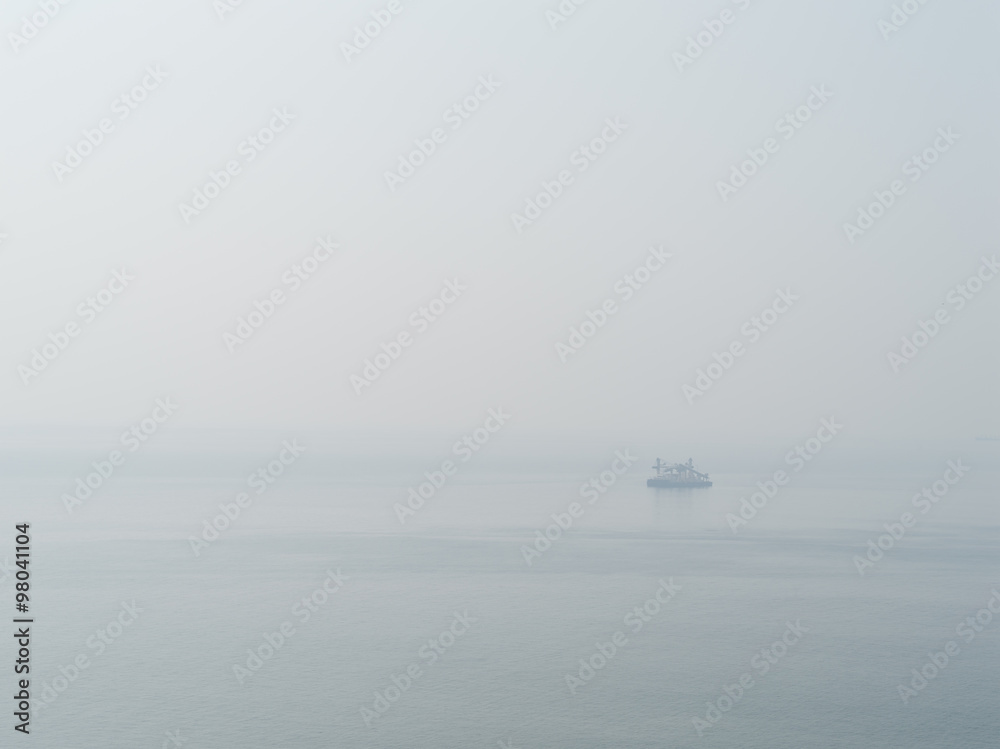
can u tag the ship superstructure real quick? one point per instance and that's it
(677, 476)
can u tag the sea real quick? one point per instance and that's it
(510, 610)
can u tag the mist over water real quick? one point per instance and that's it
(339, 342)
(506, 676)
(793, 563)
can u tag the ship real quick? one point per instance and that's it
(677, 476)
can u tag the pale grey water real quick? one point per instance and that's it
(504, 678)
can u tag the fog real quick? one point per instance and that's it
(404, 301)
(528, 285)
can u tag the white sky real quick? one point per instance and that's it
(655, 185)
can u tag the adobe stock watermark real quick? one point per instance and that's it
(133, 438)
(626, 287)
(174, 739)
(635, 620)
(561, 13)
(87, 310)
(123, 106)
(260, 480)
(581, 158)
(591, 490)
(787, 126)
(915, 167)
(434, 649)
(223, 8)
(762, 662)
(797, 459)
(303, 611)
(33, 24)
(753, 329)
(967, 629)
(958, 296)
(702, 40)
(363, 35)
(927, 498)
(249, 148)
(420, 320)
(98, 643)
(455, 116)
(464, 449)
(296, 274)
(899, 17)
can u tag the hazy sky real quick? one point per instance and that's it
(553, 90)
